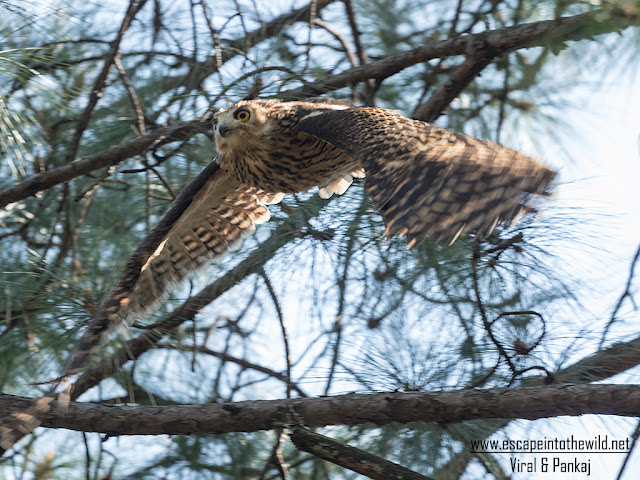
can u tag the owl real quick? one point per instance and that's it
(426, 182)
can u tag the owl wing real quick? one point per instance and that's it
(428, 181)
(209, 217)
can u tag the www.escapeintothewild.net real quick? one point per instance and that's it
(548, 449)
(597, 444)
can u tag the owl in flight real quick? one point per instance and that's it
(425, 180)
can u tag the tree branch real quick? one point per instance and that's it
(458, 81)
(603, 364)
(352, 409)
(502, 40)
(349, 457)
(135, 347)
(101, 81)
(109, 157)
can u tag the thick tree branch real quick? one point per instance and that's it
(112, 156)
(352, 409)
(603, 364)
(500, 41)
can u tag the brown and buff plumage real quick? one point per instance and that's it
(425, 180)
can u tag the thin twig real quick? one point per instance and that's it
(276, 457)
(87, 453)
(351, 55)
(342, 285)
(133, 96)
(370, 85)
(283, 328)
(634, 441)
(625, 294)
(241, 362)
(504, 94)
(101, 82)
(483, 313)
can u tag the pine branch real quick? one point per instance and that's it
(529, 403)
(107, 158)
(101, 82)
(603, 364)
(135, 347)
(349, 457)
(456, 83)
(499, 41)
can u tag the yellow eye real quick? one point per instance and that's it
(242, 115)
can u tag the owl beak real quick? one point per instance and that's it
(223, 130)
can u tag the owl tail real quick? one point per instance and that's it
(15, 426)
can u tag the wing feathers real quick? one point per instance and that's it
(428, 181)
(221, 216)
(210, 217)
(340, 185)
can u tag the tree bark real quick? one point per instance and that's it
(352, 409)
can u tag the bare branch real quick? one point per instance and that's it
(112, 156)
(101, 81)
(501, 41)
(346, 456)
(458, 81)
(625, 294)
(352, 409)
(283, 328)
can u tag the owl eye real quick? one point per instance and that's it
(242, 115)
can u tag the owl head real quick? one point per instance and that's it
(245, 123)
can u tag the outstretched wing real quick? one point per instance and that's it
(209, 217)
(427, 180)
